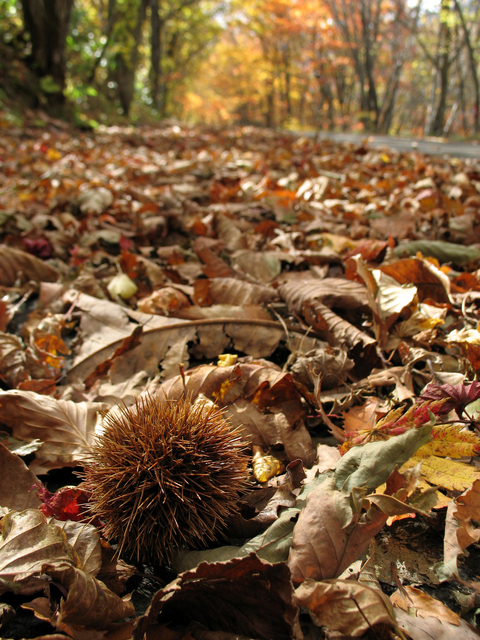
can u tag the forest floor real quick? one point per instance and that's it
(326, 296)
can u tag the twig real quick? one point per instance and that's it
(185, 324)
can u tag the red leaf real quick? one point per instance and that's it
(68, 503)
(457, 396)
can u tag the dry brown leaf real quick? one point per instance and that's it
(102, 369)
(66, 428)
(85, 540)
(261, 266)
(219, 595)
(231, 291)
(254, 339)
(330, 363)
(214, 267)
(19, 265)
(424, 605)
(104, 325)
(88, 603)
(166, 301)
(247, 312)
(13, 361)
(460, 529)
(345, 606)
(431, 283)
(386, 297)
(114, 572)
(16, 482)
(314, 299)
(327, 458)
(362, 417)
(277, 500)
(27, 542)
(323, 545)
(399, 377)
(433, 629)
(227, 231)
(332, 292)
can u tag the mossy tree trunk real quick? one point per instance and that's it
(47, 22)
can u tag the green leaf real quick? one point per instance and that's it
(369, 465)
(443, 251)
(48, 85)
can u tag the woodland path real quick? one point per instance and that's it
(434, 147)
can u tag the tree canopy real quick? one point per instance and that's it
(389, 66)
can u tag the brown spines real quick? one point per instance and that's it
(164, 475)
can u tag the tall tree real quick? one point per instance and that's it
(473, 65)
(181, 31)
(366, 28)
(47, 22)
(443, 63)
(128, 20)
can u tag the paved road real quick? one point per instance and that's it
(431, 146)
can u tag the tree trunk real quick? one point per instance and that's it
(443, 66)
(473, 68)
(270, 106)
(156, 71)
(47, 22)
(126, 64)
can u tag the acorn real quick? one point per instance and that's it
(165, 474)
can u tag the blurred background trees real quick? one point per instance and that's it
(390, 66)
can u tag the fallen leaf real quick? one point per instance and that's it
(27, 542)
(423, 605)
(231, 291)
(460, 529)
(443, 251)
(84, 539)
(314, 299)
(455, 396)
(345, 606)
(13, 361)
(16, 483)
(66, 428)
(325, 541)
(217, 595)
(428, 628)
(19, 265)
(95, 200)
(88, 603)
(370, 465)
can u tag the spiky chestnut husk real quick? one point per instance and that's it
(165, 474)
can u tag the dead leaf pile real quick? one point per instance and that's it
(325, 296)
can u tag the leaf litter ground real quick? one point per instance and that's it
(325, 296)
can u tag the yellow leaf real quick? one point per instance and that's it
(266, 467)
(450, 442)
(446, 449)
(448, 474)
(223, 390)
(227, 359)
(459, 435)
(53, 155)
